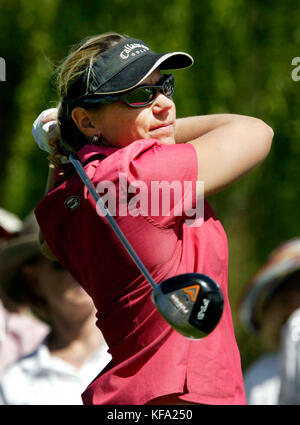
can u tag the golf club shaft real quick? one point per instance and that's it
(91, 188)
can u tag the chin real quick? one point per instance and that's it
(167, 140)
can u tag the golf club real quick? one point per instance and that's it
(192, 303)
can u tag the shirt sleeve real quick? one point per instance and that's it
(162, 181)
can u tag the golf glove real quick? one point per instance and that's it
(41, 132)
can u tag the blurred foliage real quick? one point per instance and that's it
(243, 53)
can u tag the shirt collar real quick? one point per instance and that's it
(90, 150)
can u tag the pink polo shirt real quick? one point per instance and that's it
(149, 358)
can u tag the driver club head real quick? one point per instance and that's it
(192, 303)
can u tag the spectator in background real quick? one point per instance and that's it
(271, 308)
(20, 331)
(64, 363)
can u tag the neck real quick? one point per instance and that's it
(74, 340)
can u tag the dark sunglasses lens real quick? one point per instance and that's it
(140, 97)
(145, 95)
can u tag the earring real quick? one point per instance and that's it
(95, 139)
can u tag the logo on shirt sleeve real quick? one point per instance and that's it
(72, 203)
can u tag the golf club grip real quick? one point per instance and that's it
(91, 188)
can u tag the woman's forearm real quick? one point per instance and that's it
(190, 128)
(227, 147)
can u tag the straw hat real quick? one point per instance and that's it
(16, 252)
(282, 263)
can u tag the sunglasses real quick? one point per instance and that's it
(140, 96)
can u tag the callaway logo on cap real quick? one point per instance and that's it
(133, 50)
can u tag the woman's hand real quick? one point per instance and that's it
(45, 132)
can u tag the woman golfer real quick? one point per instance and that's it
(117, 114)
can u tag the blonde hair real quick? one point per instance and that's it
(82, 57)
(79, 61)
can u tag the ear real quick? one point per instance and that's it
(83, 121)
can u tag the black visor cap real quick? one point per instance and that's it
(123, 67)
